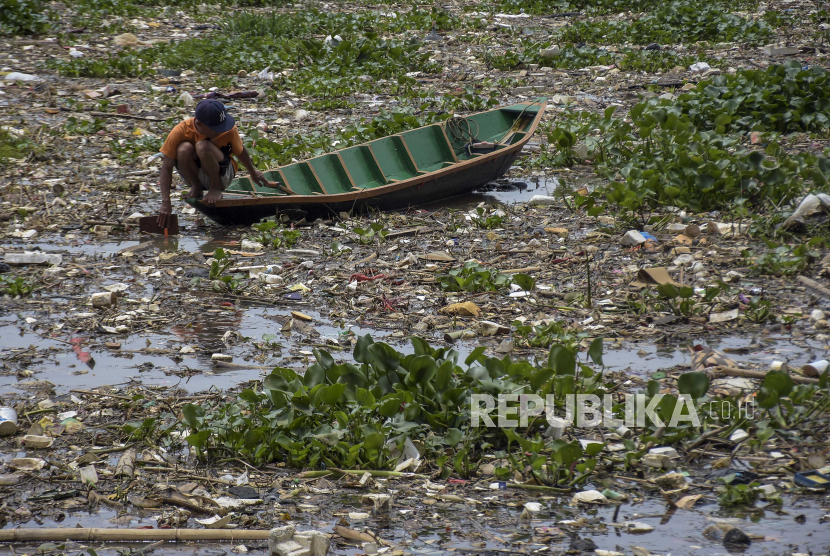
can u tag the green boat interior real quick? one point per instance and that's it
(398, 157)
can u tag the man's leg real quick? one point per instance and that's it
(186, 162)
(210, 156)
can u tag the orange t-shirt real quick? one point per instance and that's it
(185, 132)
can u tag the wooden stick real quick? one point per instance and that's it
(90, 393)
(209, 479)
(410, 232)
(276, 185)
(732, 371)
(812, 284)
(540, 488)
(58, 534)
(361, 261)
(525, 269)
(358, 473)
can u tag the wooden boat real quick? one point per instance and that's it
(422, 165)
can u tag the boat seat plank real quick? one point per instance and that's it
(332, 174)
(429, 147)
(276, 175)
(394, 158)
(300, 178)
(363, 167)
(492, 126)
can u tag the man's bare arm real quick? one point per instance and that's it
(256, 176)
(165, 179)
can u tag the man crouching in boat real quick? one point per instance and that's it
(200, 149)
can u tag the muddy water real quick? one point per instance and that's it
(207, 331)
(194, 372)
(494, 528)
(91, 246)
(504, 192)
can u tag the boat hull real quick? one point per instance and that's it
(457, 181)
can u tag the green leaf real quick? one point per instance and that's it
(390, 407)
(314, 375)
(192, 415)
(667, 291)
(361, 349)
(704, 182)
(475, 355)
(595, 351)
(253, 438)
(767, 398)
(197, 440)
(422, 369)
(564, 385)
(444, 375)
(420, 346)
(696, 384)
(755, 159)
(540, 378)
(594, 448)
(324, 358)
(374, 441)
(723, 119)
(333, 394)
(364, 397)
(524, 281)
(384, 357)
(249, 396)
(686, 292)
(561, 359)
(459, 463)
(779, 382)
(279, 379)
(453, 436)
(453, 396)
(568, 454)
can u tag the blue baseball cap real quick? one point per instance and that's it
(213, 114)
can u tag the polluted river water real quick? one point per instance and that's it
(155, 359)
(195, 372)
(796, 527)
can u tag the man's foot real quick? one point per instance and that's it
(194, 193)
(212, 196)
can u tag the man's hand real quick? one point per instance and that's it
(165, 177)
(256, 175)
(258, 178)
(165, 211)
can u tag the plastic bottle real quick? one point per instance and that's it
(8, 421)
